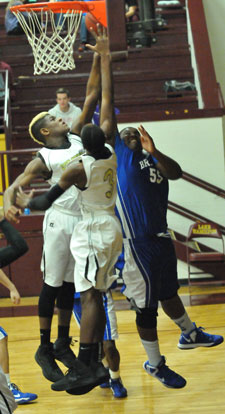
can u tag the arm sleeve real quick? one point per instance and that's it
(17, 245)
(45, 201)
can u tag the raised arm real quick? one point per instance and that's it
(92, 95)
(107, 116)
(169, 168)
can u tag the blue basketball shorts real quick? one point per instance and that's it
(148, 268)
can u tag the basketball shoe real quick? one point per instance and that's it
(21, 397)
(164, 374)
(81, 379)
(45, 358)
(118, 390)
(62, 351)
(197, 338)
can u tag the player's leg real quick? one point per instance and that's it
(141, 277)
(61, 347)
(57, 267)
(19, 396)
(87, 371)
(112, 355)
(95, 254)
(191, 336)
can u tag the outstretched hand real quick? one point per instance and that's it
(146, 140)
(22, 198)
(102, 41)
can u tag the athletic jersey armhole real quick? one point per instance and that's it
(41, 158)
(39, 155)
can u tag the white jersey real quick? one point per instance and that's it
(101, 191)
(56, 161)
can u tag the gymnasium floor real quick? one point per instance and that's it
(202, 368)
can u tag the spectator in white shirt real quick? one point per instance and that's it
(64, 108)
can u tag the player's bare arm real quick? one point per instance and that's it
(169, 168)
(35, 169)
(107, 118)
(74, 175)
(92, 95)
(5, 281)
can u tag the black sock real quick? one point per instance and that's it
(45, 336)
(85, 353)
(63, 331)
(96, 354)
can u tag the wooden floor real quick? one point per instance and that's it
(202, 368)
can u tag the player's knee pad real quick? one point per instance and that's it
(47, 299)
(65, 297)
(147, 318)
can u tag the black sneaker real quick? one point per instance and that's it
(78, 380)
(100, 372)
(45, 358)
(63, 353)
(97, 375)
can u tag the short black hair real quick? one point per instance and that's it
(63, 90)
(93, 138)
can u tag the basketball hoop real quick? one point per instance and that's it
(53, 50)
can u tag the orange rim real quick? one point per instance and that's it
(96, 8)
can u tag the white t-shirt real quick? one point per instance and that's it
(69, 117)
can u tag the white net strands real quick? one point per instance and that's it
(52, 49)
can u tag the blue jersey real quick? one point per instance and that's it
(142, 193)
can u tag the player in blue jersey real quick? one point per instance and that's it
(148, 262)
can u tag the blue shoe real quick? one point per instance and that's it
(105, 385)
(197, 338)
(116, 385)
(165, 375)
(21, 397)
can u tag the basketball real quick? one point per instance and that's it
(91, 21)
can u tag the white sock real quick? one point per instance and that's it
(105, 362)
(153, 352)
(114, 374)
(184, 323)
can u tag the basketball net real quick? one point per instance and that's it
(52, 52)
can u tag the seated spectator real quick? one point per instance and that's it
(12, 25)
(64, 108)
(131, 10)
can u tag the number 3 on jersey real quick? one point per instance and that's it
(108, 176)
(155, 176)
